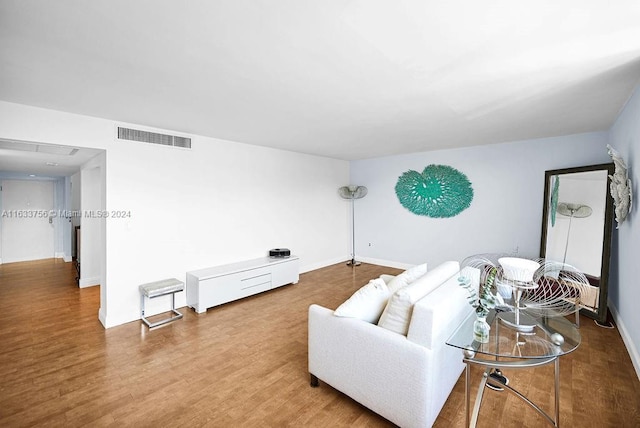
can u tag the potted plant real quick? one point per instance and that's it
(483, 300)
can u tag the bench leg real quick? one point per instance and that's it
(175, 314)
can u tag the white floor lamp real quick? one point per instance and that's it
(352, 193)
(572, 211)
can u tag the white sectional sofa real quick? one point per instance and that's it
(405, 379)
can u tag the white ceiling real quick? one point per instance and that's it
(344, 79)
(21, 159)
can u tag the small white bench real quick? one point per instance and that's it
(157, 289)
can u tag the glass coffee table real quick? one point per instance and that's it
(508, 348)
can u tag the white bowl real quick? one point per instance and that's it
(517, 269)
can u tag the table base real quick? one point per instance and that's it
(472, 420)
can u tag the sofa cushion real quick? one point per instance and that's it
(397, 313)
(407, 277)
(367, 303)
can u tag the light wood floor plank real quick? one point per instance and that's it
(242, 364)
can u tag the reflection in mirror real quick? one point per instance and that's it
(576, 228)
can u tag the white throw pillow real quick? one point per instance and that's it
(367, 303)
(397, 314)
(387, 278)
(407, 277)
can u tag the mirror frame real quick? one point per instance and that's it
(601, 315)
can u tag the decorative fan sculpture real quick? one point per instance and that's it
(352, 193)
(539, 287)
(439, 191)
(559, 290)
(620, 187)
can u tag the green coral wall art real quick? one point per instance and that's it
(554, 199)
(439, 191)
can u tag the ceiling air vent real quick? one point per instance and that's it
(153, 138)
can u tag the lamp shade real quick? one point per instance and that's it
(517, 269)
(574, 210)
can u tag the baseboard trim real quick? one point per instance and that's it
(89, 282)
(28, 259)
(102, 317)
(67, 259)
(379, 262)
(59, 255)
(320, 265)
(387, 263)
(626, 338)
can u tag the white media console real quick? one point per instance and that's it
(221, 284)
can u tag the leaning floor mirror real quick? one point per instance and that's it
(577, 221)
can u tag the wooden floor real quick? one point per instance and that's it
(241, 364)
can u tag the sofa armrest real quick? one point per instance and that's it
(439, 313)
(330, 335)
(376, 367)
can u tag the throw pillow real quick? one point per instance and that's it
(367, 303)
(387, 278)
(407, 277)
(397, 314)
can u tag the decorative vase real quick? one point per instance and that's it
(481, 329)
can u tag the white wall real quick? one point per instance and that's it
(27, 234)
(217, 203)
(65, 220)
(92, 209)
(624, 292)
(61, 226)
(59, 195)
(505, 214)
(75, 187)
(1, 210)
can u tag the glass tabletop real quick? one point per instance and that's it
(551, 336)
